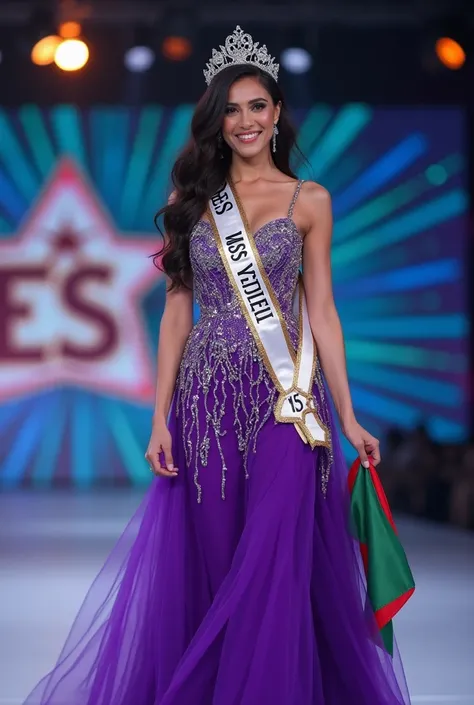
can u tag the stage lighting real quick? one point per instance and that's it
(72, 55)
(139, 58)
(44, 50)
(296, 60)
(69, 30)
(450, 53)
(177, 34)
(176, 48)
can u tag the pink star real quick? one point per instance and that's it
(66, 241)
(74, 320)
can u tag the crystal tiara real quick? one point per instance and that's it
(240, 49)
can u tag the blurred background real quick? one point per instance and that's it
(95, 102)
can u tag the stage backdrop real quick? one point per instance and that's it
(80, 301)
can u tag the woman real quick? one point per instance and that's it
(237, 582)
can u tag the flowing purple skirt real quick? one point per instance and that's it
(253, 599)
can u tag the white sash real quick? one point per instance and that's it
(292, 374)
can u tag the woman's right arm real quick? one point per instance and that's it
(175, 327)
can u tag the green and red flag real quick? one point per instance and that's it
(389, 578)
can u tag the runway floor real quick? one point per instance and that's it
(52, 545)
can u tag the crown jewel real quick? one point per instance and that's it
(240, 49)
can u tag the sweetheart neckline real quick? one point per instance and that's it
(265, 225)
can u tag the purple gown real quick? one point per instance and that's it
(238, 582)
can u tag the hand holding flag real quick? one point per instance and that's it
(366, 445)
(390, 582)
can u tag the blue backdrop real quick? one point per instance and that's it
(80, 301)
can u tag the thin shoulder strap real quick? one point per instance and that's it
(295, 196)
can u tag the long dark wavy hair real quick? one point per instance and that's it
(203, 166)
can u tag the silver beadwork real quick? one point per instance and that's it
(240, 49)
(274, 138)
(223, 387)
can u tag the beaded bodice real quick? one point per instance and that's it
(221, 369)
(279, 244)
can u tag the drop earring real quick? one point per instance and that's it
(274, 138)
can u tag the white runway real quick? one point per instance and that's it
(52, 545)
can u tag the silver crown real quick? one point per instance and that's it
(240, 49)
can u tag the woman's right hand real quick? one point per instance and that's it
(160, 444)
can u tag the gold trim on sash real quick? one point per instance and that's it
(251, 325)
(265, 278)
(299, 423)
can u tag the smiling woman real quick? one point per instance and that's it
(238, 582)
(240, 92)
(247, 119)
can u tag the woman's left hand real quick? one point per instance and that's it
(365, 444)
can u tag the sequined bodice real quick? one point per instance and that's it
(279, 244)
(223, 385)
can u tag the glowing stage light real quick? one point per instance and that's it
(44, 51)
(176, 48)
(296, 60)
(72, 55)
(450, 53)
(69, 30)
(139, 58)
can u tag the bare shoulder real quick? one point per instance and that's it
(314, 206)
(172, 198)
(314, 196)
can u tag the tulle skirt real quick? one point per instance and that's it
(253, 599)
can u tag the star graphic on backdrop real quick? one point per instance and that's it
(66, 240)
(71, 289)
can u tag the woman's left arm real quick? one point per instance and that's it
(324, 318)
